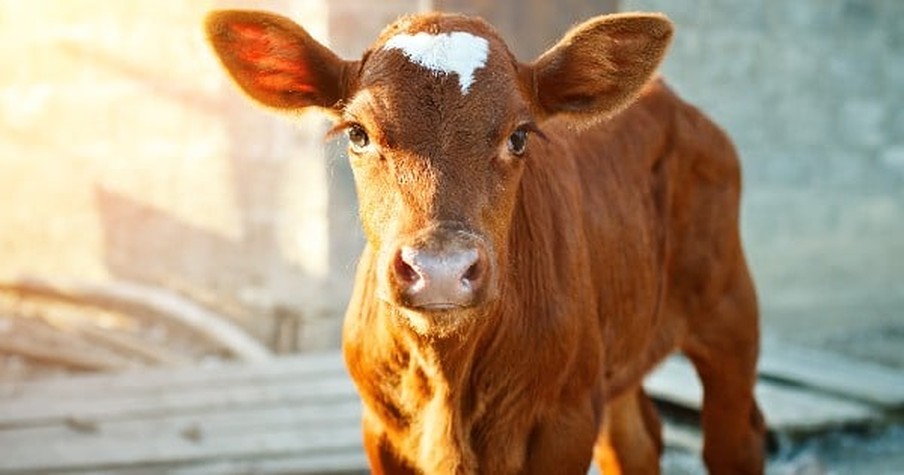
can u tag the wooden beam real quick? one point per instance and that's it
(63, 356)
(37, 340)
(149, 380)
(833, 373)
(787, 410)
(530, 26)
(132, 346)
(206, 323)
(301, 432)
(298, 414)
(28, 412)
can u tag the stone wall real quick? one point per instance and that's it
(812, 91)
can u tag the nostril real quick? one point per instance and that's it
(474, 273)
(403, 270)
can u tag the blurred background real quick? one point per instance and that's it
(151, 215)
(811, 93)
(127, 156)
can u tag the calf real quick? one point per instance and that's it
(539, 236)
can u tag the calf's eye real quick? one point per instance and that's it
(517, 142)
(357, 137)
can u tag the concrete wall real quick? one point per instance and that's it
(127, 154)
(813, 93)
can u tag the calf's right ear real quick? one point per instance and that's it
(600, 65)
(277, 62)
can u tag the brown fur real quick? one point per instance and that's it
(610, 243)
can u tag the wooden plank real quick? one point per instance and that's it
(36, 339)
(285, 416)
(78, 454)
(795, 411)
(203, 321)
(191, 427)
(175, 439)
(833, 373)
(143, 380)
(352, 462)
(65, 356)
(787, 410)
(25, 412)
(156, 418)
(340, 463)
(130, 345)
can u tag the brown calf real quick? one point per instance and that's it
(539, 236)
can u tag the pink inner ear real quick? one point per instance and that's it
(271, 59)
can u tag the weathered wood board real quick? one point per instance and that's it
(833, 373)
(296, 414)
(300, 414)
(786, 409)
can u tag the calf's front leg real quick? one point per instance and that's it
(631, 440)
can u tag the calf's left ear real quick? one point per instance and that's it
(600, 65)
(277, 62)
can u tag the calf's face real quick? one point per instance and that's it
(438, 132)
(441, 122)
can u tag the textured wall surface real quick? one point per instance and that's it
(126, 153)
(812, 91)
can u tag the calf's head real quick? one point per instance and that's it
(441, 120)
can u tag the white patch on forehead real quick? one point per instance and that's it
(456, 52)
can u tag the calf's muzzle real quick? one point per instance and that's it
(451, 274)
